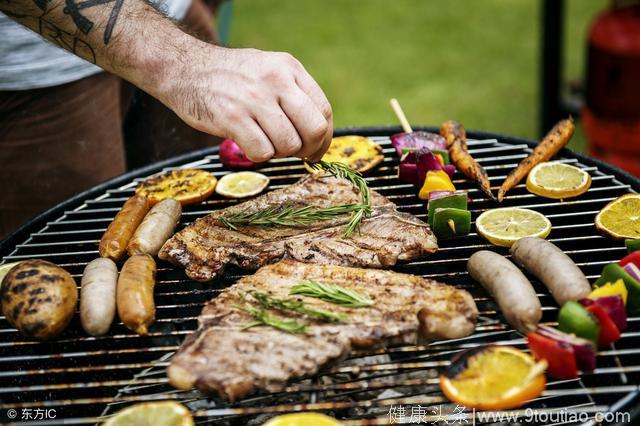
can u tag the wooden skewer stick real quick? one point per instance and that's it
(400, 114)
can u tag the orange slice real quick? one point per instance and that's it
(493, 378)
(621, 217)
(187, 186)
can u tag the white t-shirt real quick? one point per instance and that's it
(28, 61)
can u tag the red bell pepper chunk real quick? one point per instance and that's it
(609, 333)
(631, 258)
(559, 355)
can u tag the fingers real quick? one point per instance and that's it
(277, 127)
(308, 85)
(253, 141)
(309, 122)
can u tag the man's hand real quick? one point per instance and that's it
(265, 101)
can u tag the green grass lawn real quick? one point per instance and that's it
(476, 61)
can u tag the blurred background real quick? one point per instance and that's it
(478, 62)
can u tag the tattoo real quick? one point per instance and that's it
(73, 8)
(66, 40)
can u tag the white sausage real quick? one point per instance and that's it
(509, 287)
(98, 296)
(156, 228)
(550, 265)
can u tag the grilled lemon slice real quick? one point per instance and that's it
(303, 419)
(503, 227)
(357, 152)
(187, 186)
(242, 184)
(621, 217)
(558, 180)
(165, 413)
(493, 378)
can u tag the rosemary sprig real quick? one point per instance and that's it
(290, 216)
(287, 216)
(262, 317)
(332, 293)
(343, 171)
(291, 305)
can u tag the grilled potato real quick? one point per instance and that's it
(38, 298)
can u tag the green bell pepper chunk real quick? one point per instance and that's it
(632, 245)
(574, 318)
(445, 155)
(448, 223)
(613, 272)
(453, 201)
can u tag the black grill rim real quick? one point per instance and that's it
(631, 403)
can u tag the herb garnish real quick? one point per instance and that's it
(287, 216)
(262, 317)
(332, 293)
(290, 216)
(292, 305)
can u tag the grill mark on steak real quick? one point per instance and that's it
(222, 358)
(205, 247)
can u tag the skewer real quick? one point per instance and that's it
(400, 114)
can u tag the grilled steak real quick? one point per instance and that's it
(223, 358)
(206, 246)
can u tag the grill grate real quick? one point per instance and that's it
(83, 378)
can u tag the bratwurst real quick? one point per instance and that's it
(509, 287)
(550, 265)
(134, 296)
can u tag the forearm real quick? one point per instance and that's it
(126, 37)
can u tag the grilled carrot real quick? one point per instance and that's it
(552, 143)
(456, 138)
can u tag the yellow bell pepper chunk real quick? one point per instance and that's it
(610, 289)
(436, 180)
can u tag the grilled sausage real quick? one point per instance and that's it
(98, 296)
(552, 143)
(555, 269)
(509, 287)
(456, 138)
(156, 228)
(115, 239)
(134, 295)
(38, 298)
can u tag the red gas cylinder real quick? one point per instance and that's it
(611, 117)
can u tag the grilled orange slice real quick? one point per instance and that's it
(358, 152)
(493, 378)
(187, 186)
(621, 217)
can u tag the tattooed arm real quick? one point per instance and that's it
(266, 101)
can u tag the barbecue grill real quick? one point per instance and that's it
(83, 378)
